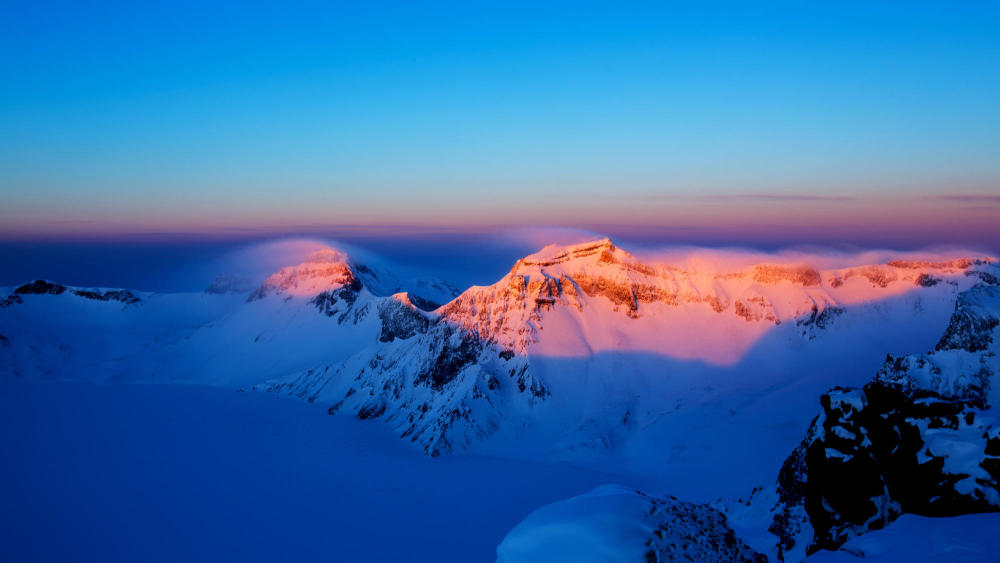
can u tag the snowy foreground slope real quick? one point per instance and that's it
(170, 473)
(694, 379)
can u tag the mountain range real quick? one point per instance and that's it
(777, 407)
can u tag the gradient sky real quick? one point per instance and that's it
(764, 121)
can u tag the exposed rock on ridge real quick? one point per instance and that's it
(921, 438)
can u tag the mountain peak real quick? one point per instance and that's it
(323, 270)
(600, 250)
(326, 255)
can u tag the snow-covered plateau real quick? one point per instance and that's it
(760, 407)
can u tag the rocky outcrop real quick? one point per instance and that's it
(876, 453)
(40, 287)
(775, 273)
(921, 438)
(685, 531)
(877, 275)
(972, 326)
(952, 265)
(400, 318)
(338, 302)
(624, 525)
(120, 295)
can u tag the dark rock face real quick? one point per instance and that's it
(919, 438)
(684, 531)
(985, 277)
(40, 287)
(337, 301)
(774, 273)
(374, 409)
(449, 361)
(926, 280)
(972, 324)
(818, 320)
(399, 321)
(878, 452)
(423, 304)
(120, 295)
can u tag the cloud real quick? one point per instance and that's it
(765, 197)
(981, 199)
(695, 258)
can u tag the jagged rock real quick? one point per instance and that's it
(878, 276)
(956, 264)
(120, 295)
(423, 304)
(819, 319)
(400, 318)
(775, 273)
(985, 277)
(926, 280)
(40, 287)
(685, 531)
(338, 301)
(920, 438)
(876, 453)
(971, 326)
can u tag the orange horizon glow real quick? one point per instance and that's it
(965, 217)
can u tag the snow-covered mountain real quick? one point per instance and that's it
(585, 348)
(922, 438)
(230, 335)
(583, 352)
(669, 373)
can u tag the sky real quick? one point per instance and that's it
(708, 122)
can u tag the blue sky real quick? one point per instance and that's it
(181, 116)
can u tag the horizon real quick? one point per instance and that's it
(464, 260)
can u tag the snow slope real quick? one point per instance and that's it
(165, 473)
(919, 539)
